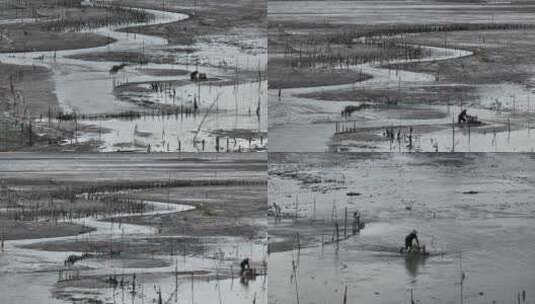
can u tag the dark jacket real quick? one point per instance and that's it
(409, 238)
(244, 265)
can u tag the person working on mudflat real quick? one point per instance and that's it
(244, 265)
(410, 239)
(462, 117)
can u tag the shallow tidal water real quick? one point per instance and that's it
(471, 209)
(87, 87)
(301, 124)
(24, 269)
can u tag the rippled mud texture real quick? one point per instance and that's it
(473, 212)
(119, 43)
(414, 59)
(73, 224)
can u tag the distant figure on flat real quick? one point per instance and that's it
(411, 240)
(196, 76)
(244, 266)
(462, 116)
(413, 247)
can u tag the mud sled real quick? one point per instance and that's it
(414, 251)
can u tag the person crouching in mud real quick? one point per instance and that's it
(246, 272)
(411, 241)
(244, 265)
(462, 117)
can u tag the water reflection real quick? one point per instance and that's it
(413, 264)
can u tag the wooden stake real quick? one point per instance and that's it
(345, 223)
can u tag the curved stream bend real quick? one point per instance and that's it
(302, 113)
(18, 259)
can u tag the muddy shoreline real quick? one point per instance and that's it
(65, 136)
(456, 67)
(383, 188)
(142, 220)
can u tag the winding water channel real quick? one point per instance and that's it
(308, 124)
(22, 265)
(88, 87)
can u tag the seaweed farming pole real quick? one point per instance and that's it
(298, 248)
(314, 210)
(462, 278)
(176, 280)
(337, 232)
(294, 268)
(453, 134)
(205, 117)
(30, 140)
(296, 206)
(345, 223)
(356, 222)
(192, 289)
(469, 137)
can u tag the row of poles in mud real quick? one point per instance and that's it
(356, 226)
(73, 117)
(402, 29)
(403, 134)
(402, 32)
(59, 212)
(69, 273)
(17, 5)
(113, 204)
(167, 89)
(114, 16)
(113, 199)
(406, 135)
(21, 120)
(167, 110)
(348, 127)
(27, 130)
(232, 144)
(520, 296)
(324, 57)
(377, 40)
(394, 44)
(136, 288)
